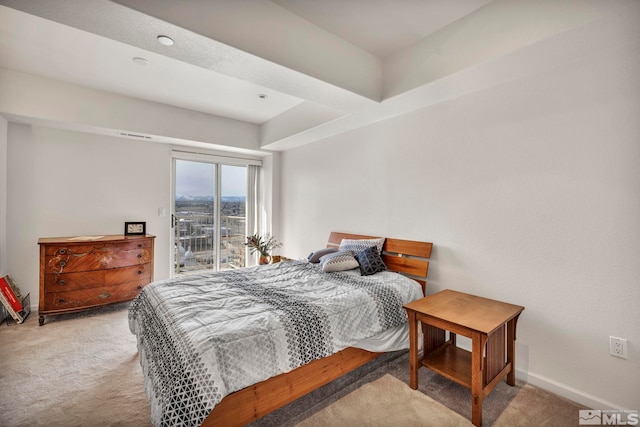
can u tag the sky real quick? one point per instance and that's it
(197, 179)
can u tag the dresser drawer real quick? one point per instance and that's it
(140, 272)
(67, 260)
(74, 248)
(94, 279)
(71, 281)
(83, 298)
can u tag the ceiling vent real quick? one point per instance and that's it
(134, 135)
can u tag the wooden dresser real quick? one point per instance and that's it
(77, 273)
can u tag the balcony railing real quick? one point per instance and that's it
(195, 242)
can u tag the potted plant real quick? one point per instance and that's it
(263, 245)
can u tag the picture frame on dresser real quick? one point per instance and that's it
(135, 228)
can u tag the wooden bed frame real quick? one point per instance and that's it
(247, 405)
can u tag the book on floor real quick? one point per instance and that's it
(9, 294)
(17, 306)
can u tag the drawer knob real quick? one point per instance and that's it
(62, 283)
(63, 263)
(139, 287)
(63, 251)
(139, 272)
(139, 245)
(61, 301)
(139, 256)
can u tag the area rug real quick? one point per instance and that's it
(384, 402)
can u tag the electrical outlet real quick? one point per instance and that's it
(618, 347)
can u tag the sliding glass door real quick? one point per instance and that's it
(209, 215)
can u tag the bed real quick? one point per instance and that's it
(227, 348)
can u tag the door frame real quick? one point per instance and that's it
(203, 157)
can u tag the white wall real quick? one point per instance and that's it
(64, 183)
(530, 192)
(3, 195)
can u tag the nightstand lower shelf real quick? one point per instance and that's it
(451, 362)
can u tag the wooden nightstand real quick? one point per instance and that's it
(490, 324)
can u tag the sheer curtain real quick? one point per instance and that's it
(252, 206)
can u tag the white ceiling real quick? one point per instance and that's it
(326, 66)
(381, 27)
(40, 46)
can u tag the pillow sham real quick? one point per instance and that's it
(314, 257)
(370, 261)
(338, 261)
(358, 245)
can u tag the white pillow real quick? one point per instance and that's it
(359, 245)
(338, 261)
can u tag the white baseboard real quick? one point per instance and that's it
(568, 392)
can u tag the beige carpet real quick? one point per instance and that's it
(76, 370)
(83, 370)
(386, 402)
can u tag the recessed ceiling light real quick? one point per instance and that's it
(140, 61)
(165, 40)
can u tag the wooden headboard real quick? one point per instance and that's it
(408, 257)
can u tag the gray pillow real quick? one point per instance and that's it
(314, 257)
(338, 261)
(359, 245)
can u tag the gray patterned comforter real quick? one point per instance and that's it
(204, 336)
